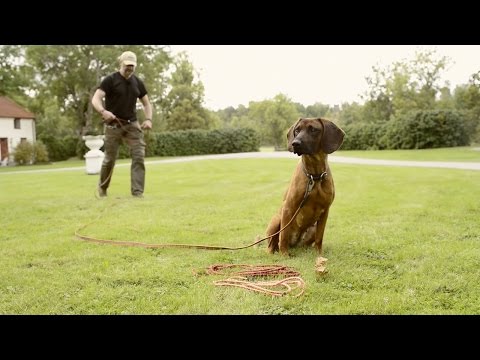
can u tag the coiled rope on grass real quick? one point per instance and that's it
(291, 281)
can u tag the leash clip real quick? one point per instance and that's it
(311, 184)
(323, 176)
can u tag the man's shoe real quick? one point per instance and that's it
(102, 192)
(139, 195)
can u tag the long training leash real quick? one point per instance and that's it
(308, 190)
(81, 236)
(291, 281)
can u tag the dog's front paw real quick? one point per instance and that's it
(272, 249)
(272, 245)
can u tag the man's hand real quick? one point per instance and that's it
(147, 124)
(108, 116)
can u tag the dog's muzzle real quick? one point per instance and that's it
(297, 147)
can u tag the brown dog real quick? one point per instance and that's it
(311, 190)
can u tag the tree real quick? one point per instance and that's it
(241, 118)
(316, 110)
(404, 86)
(350, 114)
(273, 118)
(14, 79)
(226, 115)
(445, 100)
(466, 98)
(72, 73)
(183, 104)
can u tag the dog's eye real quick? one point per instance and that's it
(312, 129)
(296, 131)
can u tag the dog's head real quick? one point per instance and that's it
(311, 135)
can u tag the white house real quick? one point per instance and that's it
(16, 125)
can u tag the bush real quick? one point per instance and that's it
(23, 154)
(191, 142)
(363, 136)
(426, 129)
(413, 130)
(59, 148)
(200, 142)
(40, 153)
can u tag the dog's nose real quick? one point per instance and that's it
(296, 142)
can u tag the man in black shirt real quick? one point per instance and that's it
(121, 91)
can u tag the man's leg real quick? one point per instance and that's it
(112, 143)
(136, 142)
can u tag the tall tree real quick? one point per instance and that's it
(350, 114)
(273, 118)
(14, 78)
(316, 110)
(184, 103)
(241, 118)
(467, 99)
(404, 86)
(72, 73)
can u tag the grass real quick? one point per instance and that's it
(464, 153)
(399, 241)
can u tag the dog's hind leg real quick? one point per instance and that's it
(272, 228)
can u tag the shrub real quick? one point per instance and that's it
(426, 129)
(413, 130)
(59, 148)
(27, 153)
(363, 136)
(40, 153)
(199, 142)
(23, 154)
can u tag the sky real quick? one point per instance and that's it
(329, 74)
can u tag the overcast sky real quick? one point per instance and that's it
(329, 74)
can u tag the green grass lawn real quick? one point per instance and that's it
(398, 241)
(465, 153)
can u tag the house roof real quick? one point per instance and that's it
(10, 109)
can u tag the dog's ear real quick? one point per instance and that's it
(290, 135)
(332, 137)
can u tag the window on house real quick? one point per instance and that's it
(23, 140)
(16, 123)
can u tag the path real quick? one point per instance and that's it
(287, 155)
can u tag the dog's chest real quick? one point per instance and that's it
(305, 219)
(317, 201)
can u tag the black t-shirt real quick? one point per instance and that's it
(121, 95)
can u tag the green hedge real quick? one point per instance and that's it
(427, 129)
(200, 142)
(364, 136)
(60, 148)
(414, 130)
(191, 142)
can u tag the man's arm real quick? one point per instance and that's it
(147, 109)
(97, 102)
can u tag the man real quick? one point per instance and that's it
(121, 91)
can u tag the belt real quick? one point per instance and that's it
(125, 121)
(118, 123)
